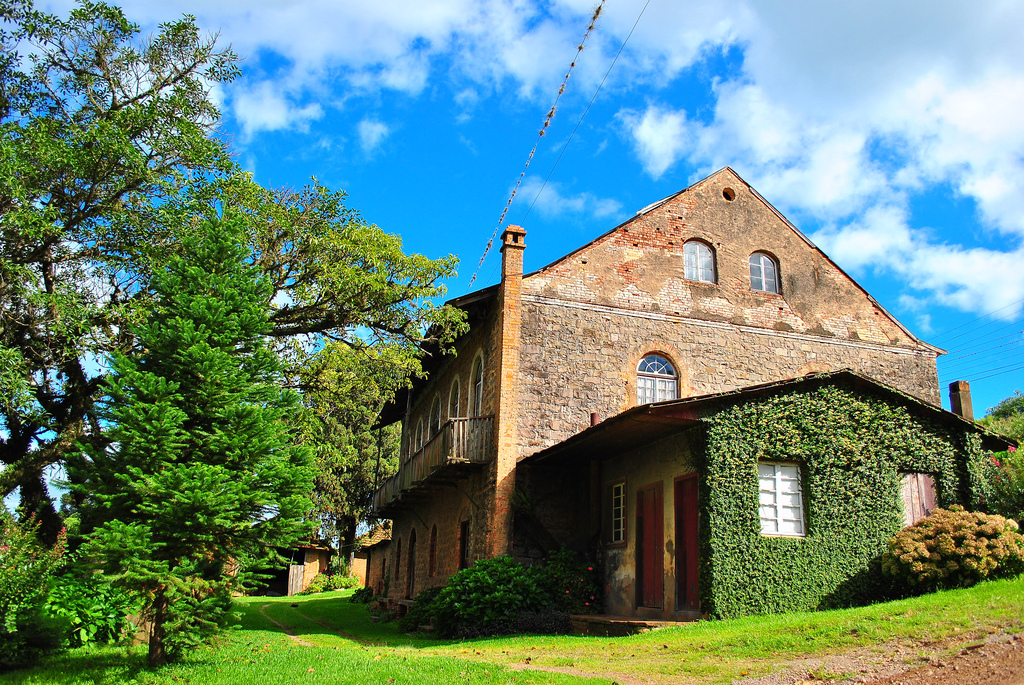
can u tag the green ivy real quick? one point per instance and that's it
(852, 448)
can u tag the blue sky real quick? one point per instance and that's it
(891, 133)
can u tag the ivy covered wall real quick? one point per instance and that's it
(852, 448)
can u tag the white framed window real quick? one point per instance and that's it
(476, 398)
(780, 500)
(618, 529)
(454, 399)
(656, 380)
(435, 416)
(764, 273)
(698, 262)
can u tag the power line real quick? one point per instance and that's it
(1001, 373)
(543, 129)
(583, 116)
(980, 344)
(964, 359)
(994, 368)
(968, 323)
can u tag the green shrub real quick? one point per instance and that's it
(26, 632)
(93, 610)
(363, 595)
(485, 598)
(324, 582)
(955, 548)
(497, 596)
(570, 584)
(421, 612)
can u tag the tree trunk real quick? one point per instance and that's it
(157, 633)
(35, 501)
(347, 538)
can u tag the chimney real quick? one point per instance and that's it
(960, 399)
(513, 242)
(595, 418)
(506, 411)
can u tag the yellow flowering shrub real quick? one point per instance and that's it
(955, 548)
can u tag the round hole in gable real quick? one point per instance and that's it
(729, 194)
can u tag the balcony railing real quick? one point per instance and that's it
(459, 443)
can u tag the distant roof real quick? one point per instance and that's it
(649, 423)
(377, 535)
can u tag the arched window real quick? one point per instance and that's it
(418, 435)
(435, 416)
(476, 399)
(454, 398)
(656, 380)
(398, 560)
(764, 273)
(698, 262)
(410, 575)
(432, 558)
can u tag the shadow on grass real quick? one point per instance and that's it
(331, 615)
(101, 665)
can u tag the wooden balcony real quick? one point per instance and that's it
(461, 445)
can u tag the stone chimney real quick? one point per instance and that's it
(506, 423)
(960, 399)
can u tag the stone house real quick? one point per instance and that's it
(696, 314)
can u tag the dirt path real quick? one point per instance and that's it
(287, 631)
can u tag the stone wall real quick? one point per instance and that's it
(580, 358)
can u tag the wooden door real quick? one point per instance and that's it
(687, 566)
(650, 545)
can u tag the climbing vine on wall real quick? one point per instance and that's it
(852, 449)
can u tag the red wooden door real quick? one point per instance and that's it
(650, 545)
(687, 566)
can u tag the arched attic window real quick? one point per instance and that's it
(454, 400)
(698, 262)
(764, 273)
(656, 380)
(476, 391)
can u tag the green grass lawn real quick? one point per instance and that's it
(344, 646)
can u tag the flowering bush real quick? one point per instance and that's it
(570, 584)
(1008, 483)
(26, 633)
(955, 548)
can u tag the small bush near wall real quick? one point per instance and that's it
(955, 548)
(498, 596)
(324, 582)
(851, 449)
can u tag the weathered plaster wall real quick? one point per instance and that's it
(640, 266)
(661, 462)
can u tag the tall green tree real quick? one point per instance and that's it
(98, 131)
(200, 477)
(110, 159)
(1007, 417)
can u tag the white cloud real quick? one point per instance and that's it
(552, 202)
(970, 279)
(660, 137)
(264, 108)
(372, 134)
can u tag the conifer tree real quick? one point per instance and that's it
(201, 476)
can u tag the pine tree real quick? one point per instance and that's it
(201, 477)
